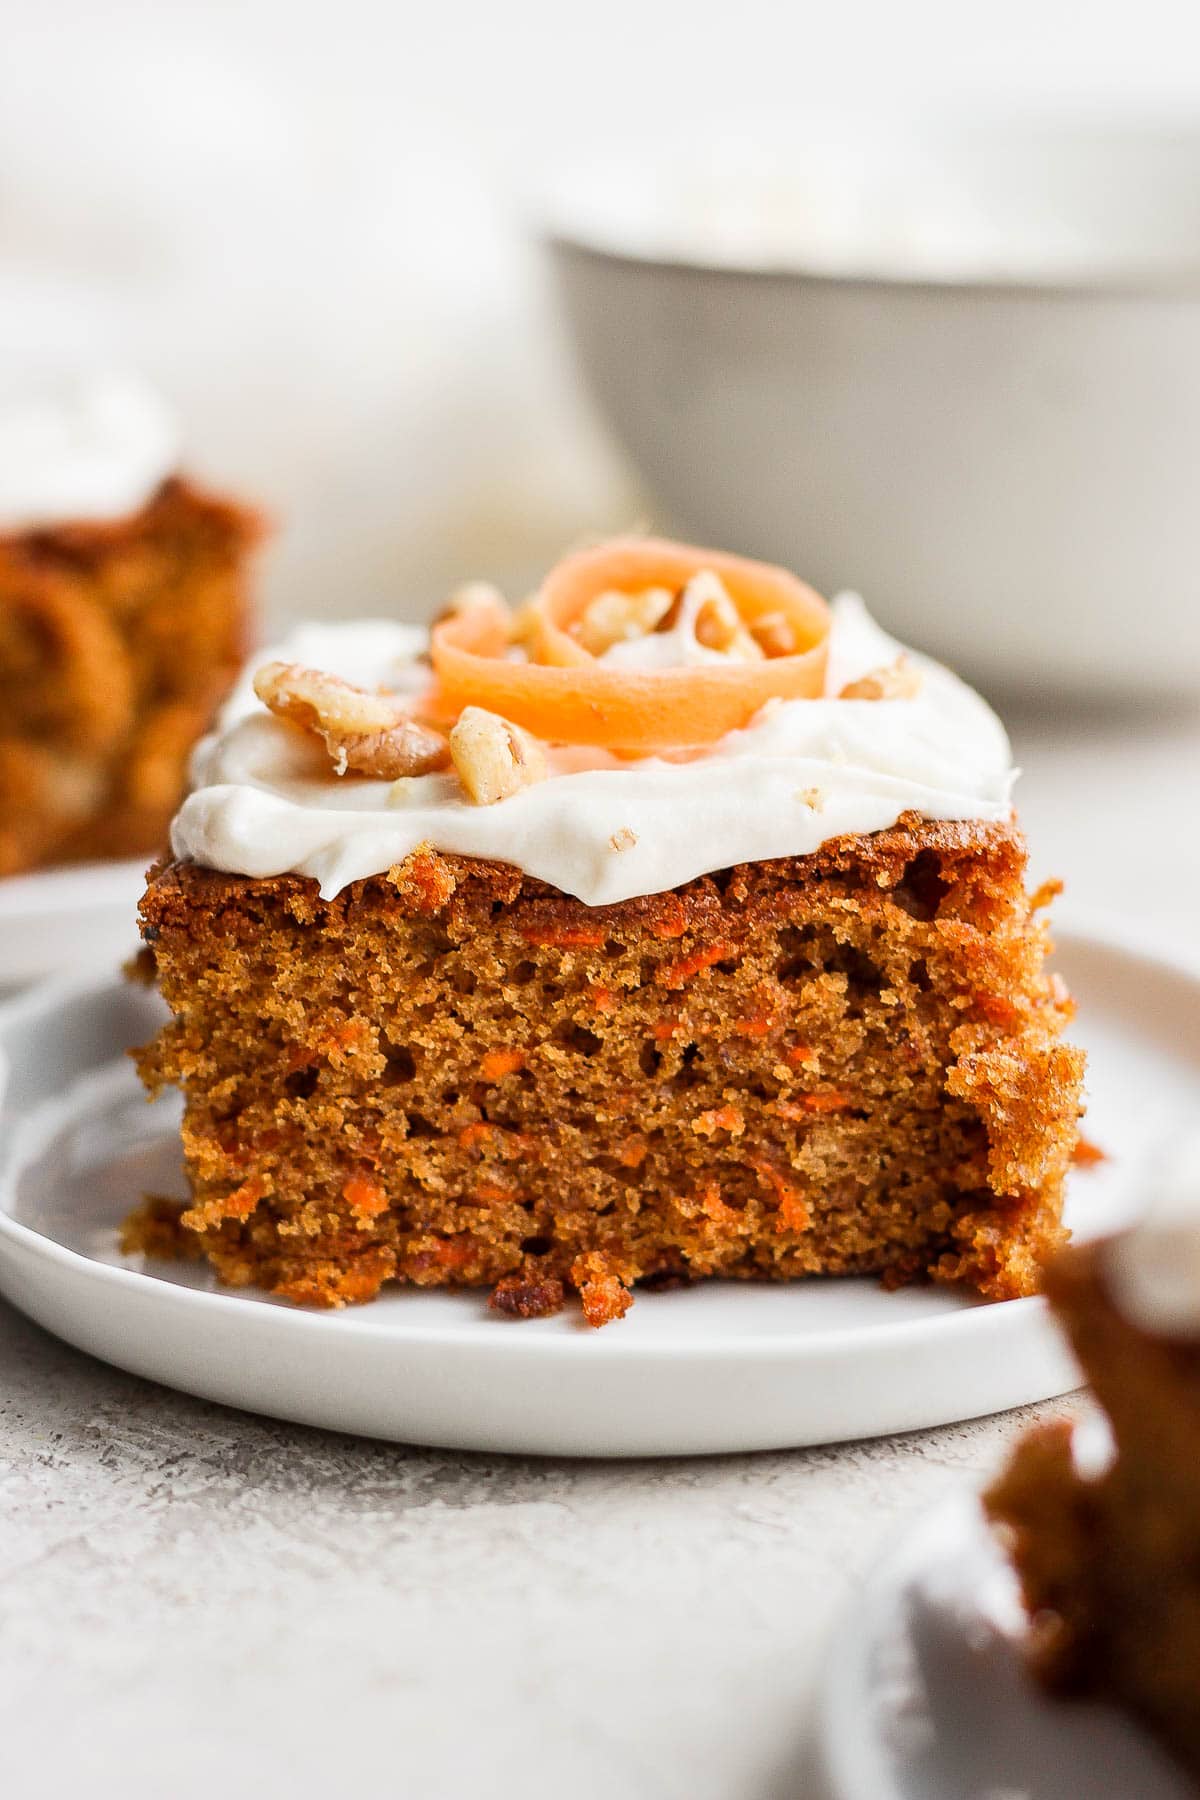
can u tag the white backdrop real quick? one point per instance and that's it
(308, 223)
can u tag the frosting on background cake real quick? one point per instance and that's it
(1153, 1269)
(96, 447)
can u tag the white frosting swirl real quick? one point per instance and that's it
(1153, 1268)
(601, 828)
(93, 448)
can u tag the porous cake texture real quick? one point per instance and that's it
(454, 1075)
(117, 641)
(1109, 1562)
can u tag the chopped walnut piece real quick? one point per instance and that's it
(704, 608)
(897, 681)
(372, 734)
(774, 635)
(624, 839)
(494, 758)
(701, 610)
(613, 618)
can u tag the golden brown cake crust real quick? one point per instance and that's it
(117, 640)
(1110, 1564)
(456, 1075)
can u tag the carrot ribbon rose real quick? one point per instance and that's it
(566, 695)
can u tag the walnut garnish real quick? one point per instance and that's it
(704, 608)
(701, 609)
(613, 618)
(624, 839)
(494, 758)
(896, 681)
(774, 635)
(372, 734)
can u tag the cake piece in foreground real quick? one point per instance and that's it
(123, 621)
(554, 1013)
(1108, 1548)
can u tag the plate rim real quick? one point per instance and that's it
(60, 888)
(1088, 930)
(851, 1761)
(850, 1758)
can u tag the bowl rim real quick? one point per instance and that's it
(1145, 283)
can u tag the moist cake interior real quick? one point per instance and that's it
(456, 1075)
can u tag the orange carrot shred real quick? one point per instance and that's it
(829, 1100)
(674, 974)
(1086, 1154)
(672, 921)
(364, 1196)
(720, 1118)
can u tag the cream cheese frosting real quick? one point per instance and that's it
(1153, 1268)
(91, 448)
(604, 829)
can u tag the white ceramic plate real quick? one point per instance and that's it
(925, 1697)
(60, 919)
(718, 1367)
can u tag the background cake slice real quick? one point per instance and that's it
(1108, 1548)
(123, 620)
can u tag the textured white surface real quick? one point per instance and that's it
(199, 1601)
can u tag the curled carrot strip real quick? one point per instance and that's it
(567, 696)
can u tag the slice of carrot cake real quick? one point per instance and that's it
(123, 621)
(668, 927)
(1107, 1544)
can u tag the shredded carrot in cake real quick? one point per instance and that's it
(720, 1118)
(675, 974)
(832, 1100)
(672, 920)
(365, 1198)
(754, 1025)
(491, 1191)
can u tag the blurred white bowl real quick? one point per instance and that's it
(960, 372)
